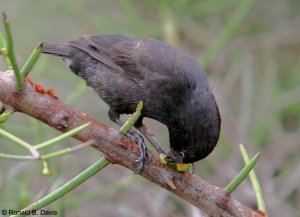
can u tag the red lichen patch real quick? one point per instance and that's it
(262, 213)
(39, 88)
(131, 145)
(123, 144)
(51, 93)
(29, 80)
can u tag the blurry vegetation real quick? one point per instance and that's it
(255, 77)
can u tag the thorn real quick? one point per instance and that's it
(40, 45)
(170, 183)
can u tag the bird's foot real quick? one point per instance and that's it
(149, 136)
(142, 147)
(114, 116)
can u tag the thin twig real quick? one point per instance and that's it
(61, 137)
(255, 183)
(66, 188)
(236, 181)
(11, 53)
(20, 142)
(132, 120)
(3, 51)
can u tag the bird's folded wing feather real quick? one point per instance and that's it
(82, 45)
(123, 52)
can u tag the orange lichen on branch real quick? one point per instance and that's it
(39, 88)
(29, 80)
(51, 93)
(262, 213)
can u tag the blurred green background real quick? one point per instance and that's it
(255, 77)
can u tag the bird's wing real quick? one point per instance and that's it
(82, 45)
(139, 59)
(123, 52)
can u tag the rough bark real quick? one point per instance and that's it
(119, 149)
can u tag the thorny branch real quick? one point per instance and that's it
(119, 149)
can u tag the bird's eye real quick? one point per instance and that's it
(181, 154)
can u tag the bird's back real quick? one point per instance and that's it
(134, 69)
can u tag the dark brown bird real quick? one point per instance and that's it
(172, 85)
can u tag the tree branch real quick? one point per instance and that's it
(119, 149)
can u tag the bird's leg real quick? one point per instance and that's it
(114, 116)
(149, 136)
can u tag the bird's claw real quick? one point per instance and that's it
(142, 147)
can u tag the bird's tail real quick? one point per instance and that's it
(56, 49)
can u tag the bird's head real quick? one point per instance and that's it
(194, 130)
